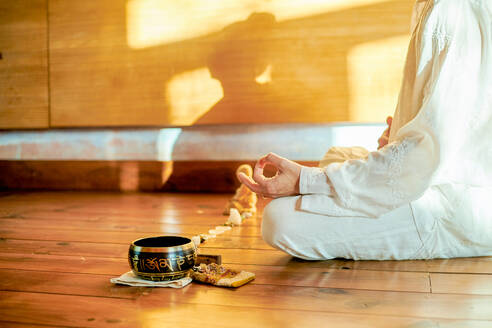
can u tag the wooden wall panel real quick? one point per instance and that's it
(84, 175)
(23, 64)
(321, 66)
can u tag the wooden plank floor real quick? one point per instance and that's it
(58, 251)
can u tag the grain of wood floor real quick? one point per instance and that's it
(59, 249)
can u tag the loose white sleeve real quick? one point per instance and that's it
(401, 171)
(397, 174)
(314, 181)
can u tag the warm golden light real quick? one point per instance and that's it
(265, 77)
(257, 60)
(375, 70)
(157, 22)
(191, 94)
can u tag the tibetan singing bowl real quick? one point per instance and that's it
(162, 258)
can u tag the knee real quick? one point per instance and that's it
(287, 229)
(269, 223)
(274, 223)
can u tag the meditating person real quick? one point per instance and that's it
(427, 192)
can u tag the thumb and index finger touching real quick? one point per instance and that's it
(272, 159)
(256, 183)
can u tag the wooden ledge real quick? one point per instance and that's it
(181, 176)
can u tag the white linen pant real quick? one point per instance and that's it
(309, 236)
(431, 227)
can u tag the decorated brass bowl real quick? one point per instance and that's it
(162, 258)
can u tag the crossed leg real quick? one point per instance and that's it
(310, 236)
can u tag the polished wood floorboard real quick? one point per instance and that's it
(58, 251)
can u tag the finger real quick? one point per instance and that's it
(386, 133)
(258, 176)
(389, 120)
(383, 141)
(262, 162)
(248, 182)
(274, 159)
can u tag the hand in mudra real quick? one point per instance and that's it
(284, 183)
(383, 140)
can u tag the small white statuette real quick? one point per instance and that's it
(235, 217)
(222, 228)
(196, 240)
(204, 237)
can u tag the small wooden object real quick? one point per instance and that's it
(208, 258)
(218, 275)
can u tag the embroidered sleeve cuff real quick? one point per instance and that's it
(314, 181)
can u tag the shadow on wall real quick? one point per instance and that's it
(285, 80)
(248, 91)
(254, 70)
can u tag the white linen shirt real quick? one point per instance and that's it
(439, 155)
